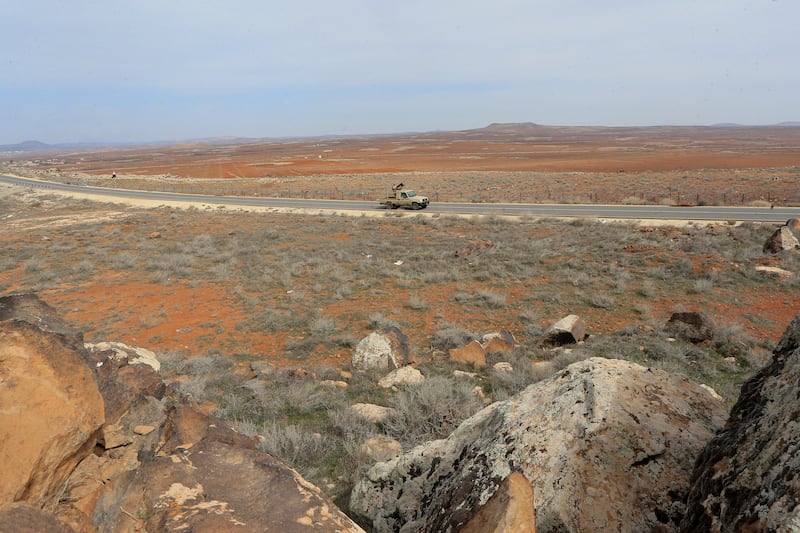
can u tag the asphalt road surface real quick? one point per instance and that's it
(613, 212)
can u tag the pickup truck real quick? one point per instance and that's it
(400, 197)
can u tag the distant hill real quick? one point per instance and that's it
(25, 146)
(38, 146)
(527, 129)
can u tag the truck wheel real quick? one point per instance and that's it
(415, 205)
(392, 206)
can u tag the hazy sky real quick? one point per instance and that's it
(139, 70)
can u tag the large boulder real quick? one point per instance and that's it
(203, 476)
(50, 409)
(786, 237)
(386, 349)
(608, 445)
(748, 477)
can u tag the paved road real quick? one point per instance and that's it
(631, 212)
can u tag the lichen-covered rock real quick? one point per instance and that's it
(608, 445)
(748, 477)
(384, 349)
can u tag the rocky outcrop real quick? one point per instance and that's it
(608, 445)
(50, 409)
(748, 477)
(384, 349)
(786, 237)
(203, 476)
(137, 458)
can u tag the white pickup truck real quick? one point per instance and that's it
(400, 197)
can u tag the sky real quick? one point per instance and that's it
(156, 70)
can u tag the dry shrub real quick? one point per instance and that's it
(431, 410)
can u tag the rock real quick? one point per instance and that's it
(692, 326)
(126, 377)
(25, 518)
(464, 375)
(263, 369)
(746, 478)
(471, 354)
(119, 351)
(775, 271)
(543, 367)
(568, 330)
(154, 235)
(608, 445)
(374, 413)
(206, 477)
(334, 384)
(29, 308)
(500, 342)
(509, 510)
(477, 390)
(51, 409)
(384, 349)
(503, 367)
(381, 448)
(406, 375)
(161, 471)
(786, 237)
(439, 356)
(114, 436)
(302, 374)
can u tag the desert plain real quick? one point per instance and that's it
(297, 289)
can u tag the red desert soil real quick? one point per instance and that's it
(508, 161)
(502, 162)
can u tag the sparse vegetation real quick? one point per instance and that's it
(217, 290)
